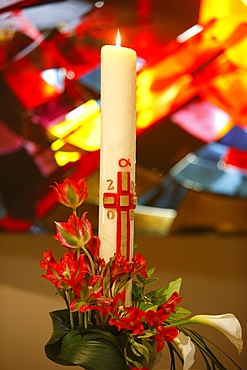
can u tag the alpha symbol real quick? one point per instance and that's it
(123, 162)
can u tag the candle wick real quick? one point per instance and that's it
(118, 38)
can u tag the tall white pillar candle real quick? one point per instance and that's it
(118, 151)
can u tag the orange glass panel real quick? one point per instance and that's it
(166, 85)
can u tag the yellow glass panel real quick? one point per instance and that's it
(62, 158)
(75, 119)
(58, 144)
(87, 137)
(220, 9)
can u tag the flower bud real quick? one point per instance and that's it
(71, 193)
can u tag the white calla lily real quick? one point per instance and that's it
(227, 324)
(187, 348)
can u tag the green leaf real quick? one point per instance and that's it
(141, 350)
(135, 351)
(150, 280)
(61, 327)
(148, 334)
(147, 344)
(156, 297)
(84, 291)
(181, 313)
(107, 279)
(150, 272)
(173, 286)
(78, 305)
(140, 278)
(136, 364)
(60, 323)
(86, 349)
(101, 333)
(160, 296)
(145, 306)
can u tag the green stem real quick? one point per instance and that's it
(180, 323)
(80, 318)
(85, 320)
(70, 313)
(85, 251)
(90, 259)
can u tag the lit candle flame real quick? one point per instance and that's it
(118, 39)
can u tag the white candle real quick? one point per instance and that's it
(118, 151)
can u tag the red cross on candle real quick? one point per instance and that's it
(124, 202)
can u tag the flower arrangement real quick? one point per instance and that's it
(101, 328)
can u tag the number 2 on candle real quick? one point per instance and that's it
(110, 185)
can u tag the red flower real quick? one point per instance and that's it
(118, 301)
(93, 246)
(155, 318)
(90, 296)
(79, 305)
(48, 259)
(65, 273)
(71, 193)
(166, 334)
(170, 305)
(139, 266)
(47, 264)
(89, 289)
(119, 266)
(74, 233)
(131, 321)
